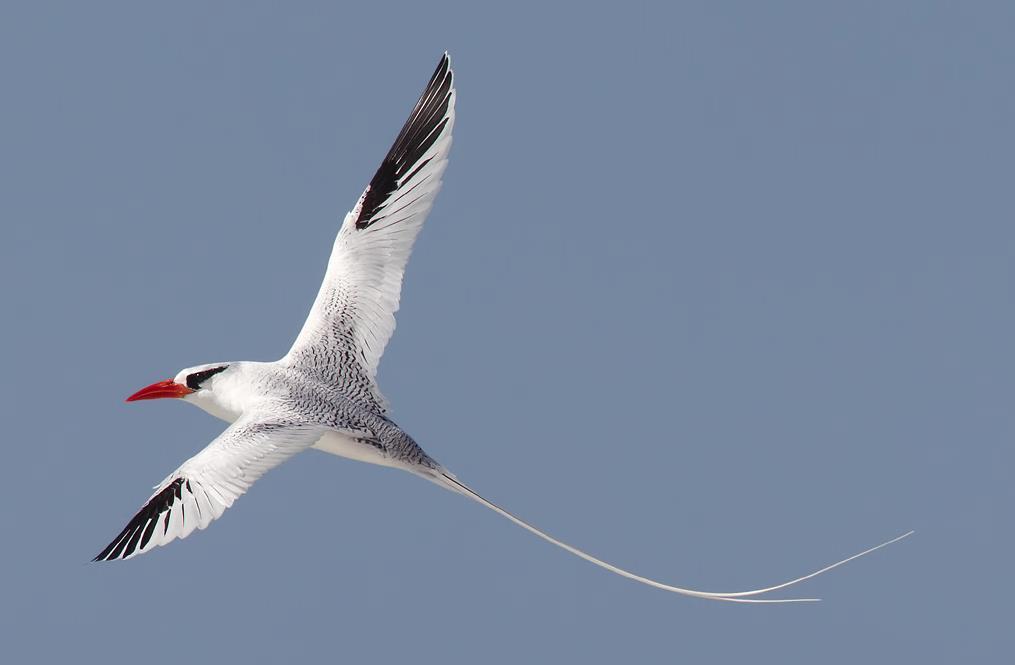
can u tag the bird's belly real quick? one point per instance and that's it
(343, 445)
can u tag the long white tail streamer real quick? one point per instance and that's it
(448, 481)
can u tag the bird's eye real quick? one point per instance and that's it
(195, 380)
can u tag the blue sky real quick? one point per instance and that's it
(719, 293)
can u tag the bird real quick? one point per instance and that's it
(323, 393)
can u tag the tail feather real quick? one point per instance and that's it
(448, 481)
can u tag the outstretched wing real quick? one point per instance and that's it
(208, 483)
(353, 316)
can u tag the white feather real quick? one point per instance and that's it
(362, 286)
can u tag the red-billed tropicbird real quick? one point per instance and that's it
(323, 393)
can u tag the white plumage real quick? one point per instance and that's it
(323, 392)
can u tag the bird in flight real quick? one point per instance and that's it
(323, 393)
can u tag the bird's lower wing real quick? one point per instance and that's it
(448, 481)
(200, 491)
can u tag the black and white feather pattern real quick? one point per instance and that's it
(353, 317)
(405, 160)
(200, 491)
(324, 388)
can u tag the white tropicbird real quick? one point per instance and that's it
(323, 393)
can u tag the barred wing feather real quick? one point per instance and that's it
(205, 485)
(353, 317)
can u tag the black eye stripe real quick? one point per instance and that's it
(195, 380)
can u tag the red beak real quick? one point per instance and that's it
(167, 388)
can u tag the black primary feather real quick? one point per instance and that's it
(419, 133)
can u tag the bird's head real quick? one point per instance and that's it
(206, 386)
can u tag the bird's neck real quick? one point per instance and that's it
(234, 392)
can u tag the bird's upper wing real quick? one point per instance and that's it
(209, 482)
(353, 316)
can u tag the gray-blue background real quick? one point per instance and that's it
(721, 293)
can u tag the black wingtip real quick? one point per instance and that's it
(420, 131)
(141, 527)
(104, 554)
